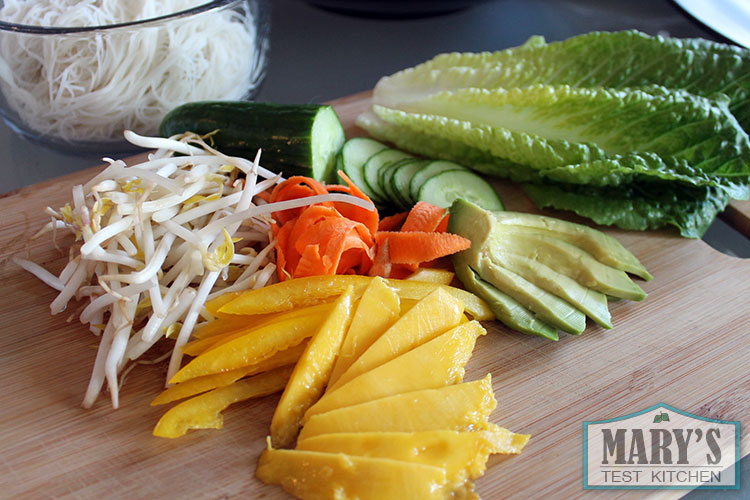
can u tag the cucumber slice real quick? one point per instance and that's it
(401, 180)
(354, 155)
(375, 164)
(430, 170)
(295, 139)
(444, 188)
(386, 185)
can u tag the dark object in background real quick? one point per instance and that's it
(394, 9)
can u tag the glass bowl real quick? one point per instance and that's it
(76, 89)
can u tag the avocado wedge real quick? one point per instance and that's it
(554, 274)
(507, 310)
(602, 246)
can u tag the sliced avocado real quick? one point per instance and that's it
(506, 310)
(605, 248)
(548, 277)
(482, 229)
(547, 307)
(591, 302)
(570, 260)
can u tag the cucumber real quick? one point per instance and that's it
(430, 170)
(386, 185)
(373, 167)
(353, 156)
(388, 182)
(444, 188)
(295, 139)
(402, 177)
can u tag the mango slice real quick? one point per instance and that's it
(307, 291)
(203, 345)
(431, 275)
(463, 455)
(431, 365)
(377, 310)
(213, 305)
(259, 344)
(206, 383)
(317, 475)
(430, 317)
(464, 406)
(222, 325)
(311, 373)
(204, 411)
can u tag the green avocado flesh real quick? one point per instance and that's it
(537, 273)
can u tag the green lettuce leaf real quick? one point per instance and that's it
(624, 128)
(637, 207)
(597, 59)
(592, 136)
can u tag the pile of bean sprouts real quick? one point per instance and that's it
(92, 86)
(155, 240)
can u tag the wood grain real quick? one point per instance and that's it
(685, 345)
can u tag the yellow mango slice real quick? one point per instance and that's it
(204, 411)
(311, 372)
(431, 275)
(259, 344)
(475, 307)
(378, 309)
(462, 454)
(206, 383)
(213, 305)
(307, 291)
(222, 325)
(317, 475)
(200, 346)
(433, 364)
(464, 406)
(431, 316)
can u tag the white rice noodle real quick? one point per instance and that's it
(91, 87)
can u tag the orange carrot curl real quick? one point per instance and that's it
(342, 238)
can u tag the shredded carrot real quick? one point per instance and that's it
(423, 217)
(416, 247)
(367, 217)
(392, 222)
(342, 238)
(381, 265)
(325, 238)
(443, 225)
(295, 187)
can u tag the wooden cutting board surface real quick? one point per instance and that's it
(685, 345)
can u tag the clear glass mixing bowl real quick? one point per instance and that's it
(77, 89)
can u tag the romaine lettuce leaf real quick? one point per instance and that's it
(597, 59)
(624, 128)
(584, 136)
(637, 206)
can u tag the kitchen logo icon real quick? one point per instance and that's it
(661, 447)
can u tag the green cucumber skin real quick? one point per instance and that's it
(352, 158)
(402, 177)
(375, 165)
(431, 169)
(281, 131)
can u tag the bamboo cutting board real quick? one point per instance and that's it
(685, 345)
